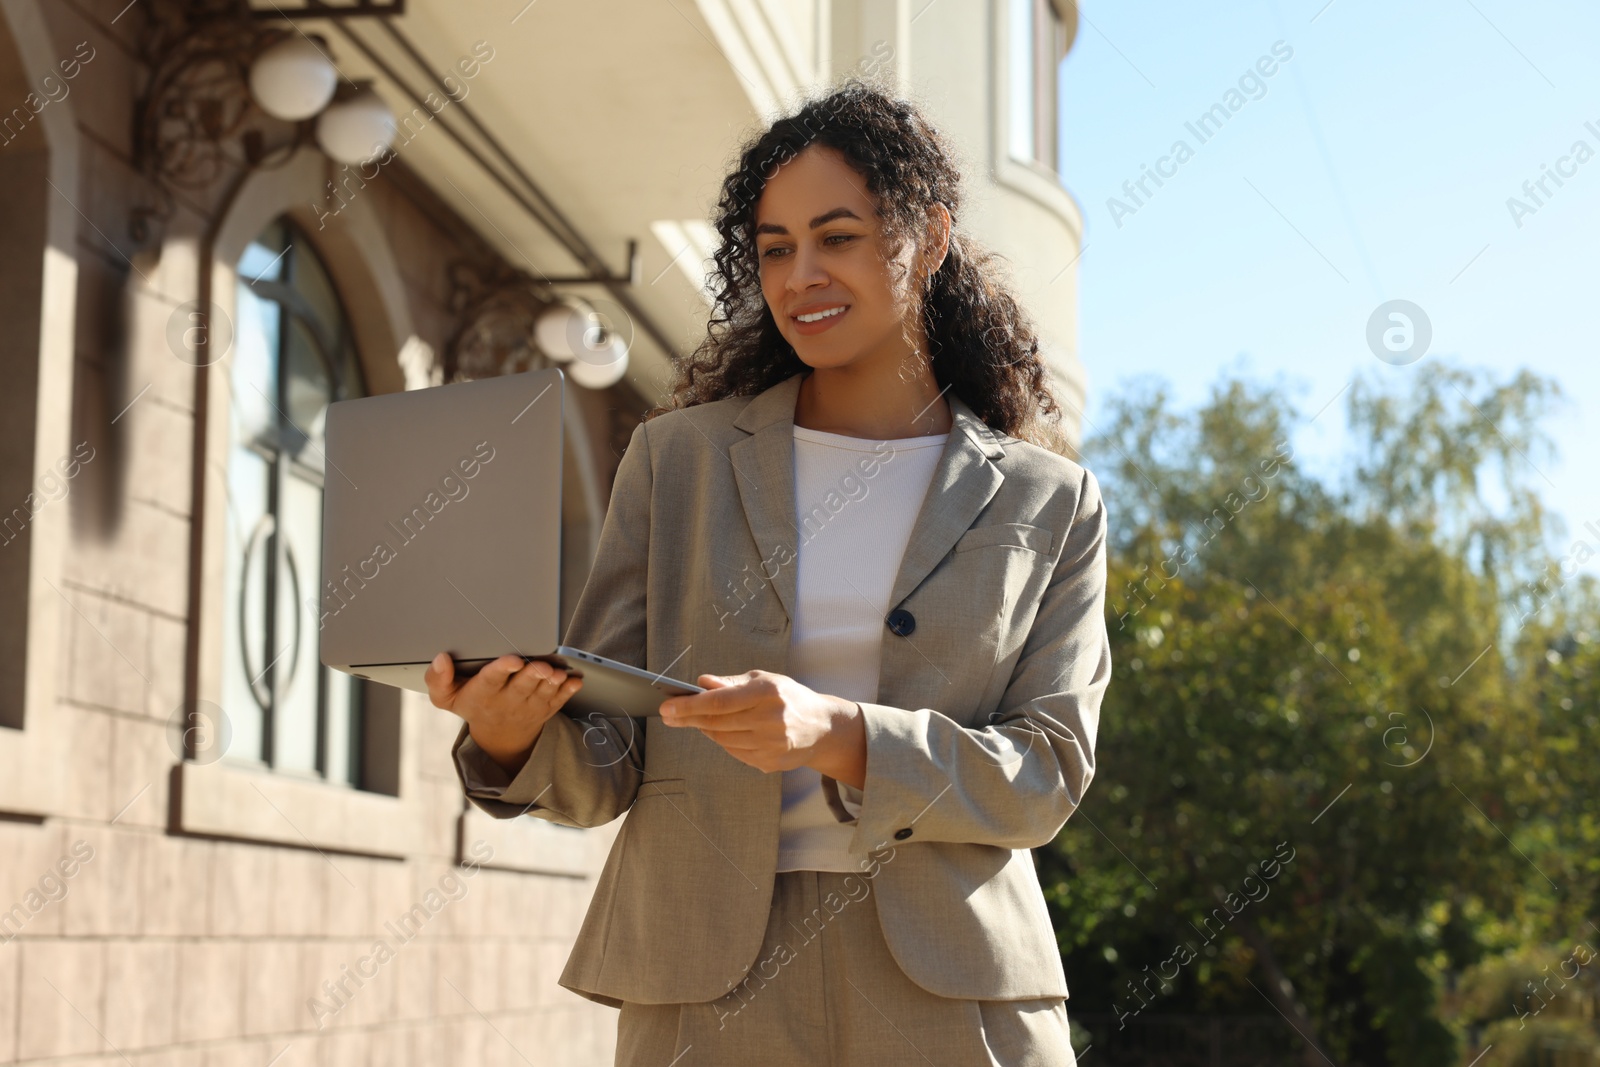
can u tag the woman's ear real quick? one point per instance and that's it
(938, 238)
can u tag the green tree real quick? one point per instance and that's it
(1325, 675)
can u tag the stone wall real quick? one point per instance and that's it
(124, 938)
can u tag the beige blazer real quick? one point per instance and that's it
(995, 658)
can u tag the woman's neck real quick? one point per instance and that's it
(856, 403)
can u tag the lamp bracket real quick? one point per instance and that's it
(319, 9)
(635, 273)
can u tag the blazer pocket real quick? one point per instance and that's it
(1008, 534)
(661, 787)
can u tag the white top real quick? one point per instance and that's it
(856, 501)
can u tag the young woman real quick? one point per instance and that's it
(856, 528)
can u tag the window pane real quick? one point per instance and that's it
(1051, 52)
(244, 641)
(1021, 78)
(300, 523)
(292, 359)
(309, 391)
(254, 378)
(311, 281)
(264, 258)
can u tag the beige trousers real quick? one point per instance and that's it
(825, 990)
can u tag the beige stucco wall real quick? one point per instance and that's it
(169, 941)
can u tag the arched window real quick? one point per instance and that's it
(292, 357)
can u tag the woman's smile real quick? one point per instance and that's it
(821, 319)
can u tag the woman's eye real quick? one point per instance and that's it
(768, 254)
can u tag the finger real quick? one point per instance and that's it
(737, 717)
(494, 675)
(698, 707)
(440, 680)
(536, 677)
(441, 669)
(568, 688)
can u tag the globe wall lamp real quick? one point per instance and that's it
(230, 92)
(576, 334)
(235, 89)
(512, 322)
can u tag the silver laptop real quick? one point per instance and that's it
(441, 532)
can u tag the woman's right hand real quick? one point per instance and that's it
(505, 704)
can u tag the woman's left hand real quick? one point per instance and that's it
(774, 723)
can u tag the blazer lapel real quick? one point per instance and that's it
(963, 482)
(763, 469)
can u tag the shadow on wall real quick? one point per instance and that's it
(105, 403)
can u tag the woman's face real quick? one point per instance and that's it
(820, 250)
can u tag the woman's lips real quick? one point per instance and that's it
(806, 329)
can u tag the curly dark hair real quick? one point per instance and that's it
(980, 341)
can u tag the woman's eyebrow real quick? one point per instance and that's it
(836, 213)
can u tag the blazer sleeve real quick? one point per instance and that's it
(1014, 782)
(585, 769)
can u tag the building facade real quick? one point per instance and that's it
(212, 849)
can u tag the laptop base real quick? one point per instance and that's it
(609, 687)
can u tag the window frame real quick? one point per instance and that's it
(334, 343)
(1027, 176)
(395, 815)
(1041, 54)
(408, 814)
(1049, 49)
(35, 735)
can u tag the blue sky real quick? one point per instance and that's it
(1376, 166)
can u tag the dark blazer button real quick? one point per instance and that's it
(902, 834)
(902, 621)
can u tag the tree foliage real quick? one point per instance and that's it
(1343, 767)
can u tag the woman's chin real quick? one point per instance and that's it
(826, 357)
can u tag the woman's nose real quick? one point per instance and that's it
(807, 271)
